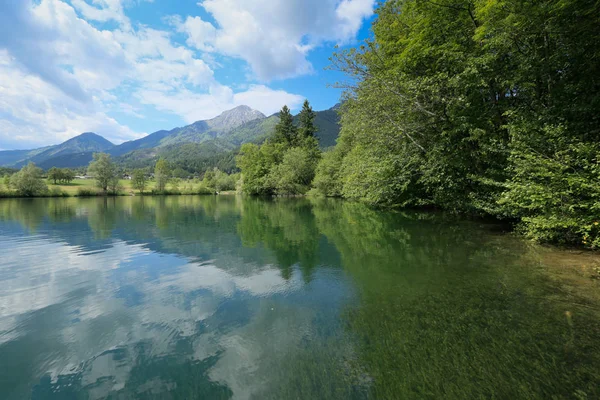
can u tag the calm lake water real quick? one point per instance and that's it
(223, 297)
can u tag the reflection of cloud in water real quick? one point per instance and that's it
(124, 309)
(36, 273)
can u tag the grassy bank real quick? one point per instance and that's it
(88, 188)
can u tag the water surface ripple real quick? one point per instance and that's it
(224, 297)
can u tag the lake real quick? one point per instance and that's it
(228, 297)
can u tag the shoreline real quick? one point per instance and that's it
(507, 226)
(100, 195)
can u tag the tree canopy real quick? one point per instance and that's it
(476, 106)
(28, 181)
(285, 164)
(162, 174)
(103, 170)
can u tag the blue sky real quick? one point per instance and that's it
(126, 68)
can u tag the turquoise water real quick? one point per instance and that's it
(224, 297)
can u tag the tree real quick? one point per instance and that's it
(327, 181)
(180, 173)
(223, 181)
(295, 173)
(479, 107)
(209, 178)
(54, 175)
(307, 116)
(162, 174)
(139, 180)
(68, 175)
(256, 162)
(103, 170)
(6, 180)
(285, 131)
(114, 185)
(28, 181)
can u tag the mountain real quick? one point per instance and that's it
(193, 147)
(11, 157)
(147, 142)
(191, 152)
(197, 132)
(85, 143)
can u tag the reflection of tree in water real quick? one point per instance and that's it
(103, 218)
(27, 212)
(61, 210)
(449, 311)
(286, 227)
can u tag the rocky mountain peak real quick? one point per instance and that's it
(235, 117)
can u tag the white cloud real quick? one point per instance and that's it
(102, 10)
(275, 36)
(193, 106)
(49, 41)
(200, 33)
(37, 113)
(61, 75)
(106, 10)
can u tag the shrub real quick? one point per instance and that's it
(86, 192)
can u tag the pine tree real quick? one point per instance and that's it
(307, 121)
(285, 131)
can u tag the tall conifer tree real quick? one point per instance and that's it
(286, 131)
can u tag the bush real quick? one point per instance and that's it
(8, 194)
(57, 192)
(28, 182)
(86, 192)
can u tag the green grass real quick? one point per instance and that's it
(87, 187)
(90, 184)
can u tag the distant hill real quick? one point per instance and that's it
(84, 143)
(193, 147)
(10, 158)
(68, 161)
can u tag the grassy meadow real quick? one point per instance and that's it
(90, 184)
(87, 187)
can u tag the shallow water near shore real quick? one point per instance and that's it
(228, 297)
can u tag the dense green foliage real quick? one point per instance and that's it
(104, 171)
(487, 107)
(162, 174)
(61, 175)
(284, 164)
(139, 180)
(28, 181)
(217, 180)
(7, 171)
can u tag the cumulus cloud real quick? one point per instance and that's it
(47, 38)
(102, 10)
(62, 75)
(193, 106)
(35, 112)
(275, 36)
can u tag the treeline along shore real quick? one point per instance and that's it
(488, 108)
